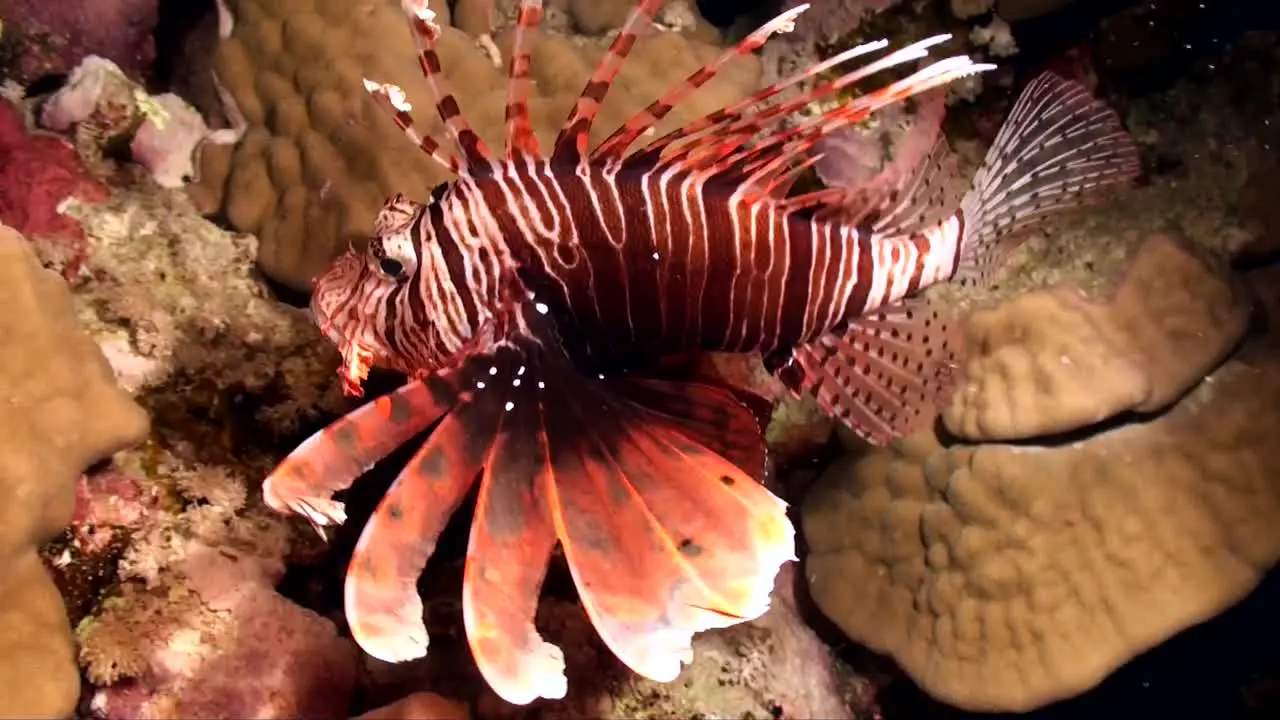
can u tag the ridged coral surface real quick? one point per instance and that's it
(318, 157)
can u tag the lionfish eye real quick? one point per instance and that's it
(394, 257)
(392, 267)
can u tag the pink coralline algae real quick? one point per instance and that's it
(106, 503)
(54, 35)
(38, 172)
(226, 645)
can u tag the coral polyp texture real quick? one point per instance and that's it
(318, 157)
(38, 172)
(62, 412)
(50, 38)
(1005, 577)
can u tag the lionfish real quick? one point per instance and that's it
(525, 297)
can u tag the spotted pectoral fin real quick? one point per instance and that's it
(332, 459)
(381, 596)
(711, 416)
(885, 375)
(664, 537)
(512, 540)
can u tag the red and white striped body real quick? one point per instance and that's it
(638, 265)
(517, 295)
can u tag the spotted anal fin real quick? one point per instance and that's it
(521, 142)
(330, 460)
(1056, 151)
(383, 608)
(883, 376)
(573, 140)
(664, 537)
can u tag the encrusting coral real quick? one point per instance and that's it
(1004, 577)
(1055, 360)
(49, 38)
(37, 173)
(189, 609)
(318, 158)
(62, 412)
(106, 110)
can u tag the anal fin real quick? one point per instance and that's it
(885, 374)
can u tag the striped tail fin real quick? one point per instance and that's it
(1057, 149)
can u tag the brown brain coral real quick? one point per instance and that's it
(1004, 577)
(318, 157)
(62, 412)
(1055, 361)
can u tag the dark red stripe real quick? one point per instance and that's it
(795, 290)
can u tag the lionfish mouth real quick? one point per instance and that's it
(356, 363)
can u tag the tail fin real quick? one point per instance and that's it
(1057, 149)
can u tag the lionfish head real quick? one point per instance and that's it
(357, 301)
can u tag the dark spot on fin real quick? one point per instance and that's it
(885, 375)
(689, 548)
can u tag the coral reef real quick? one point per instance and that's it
(1003, 577)
(108, 111)
(215, 640)
(1100, 483)
(62, 413)
(173, 559)
(38, 173)
(318, 158)
(1053, 361)
(43, 38)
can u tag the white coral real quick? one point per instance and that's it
(997, 36)
(964, 9)
(166, 147)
